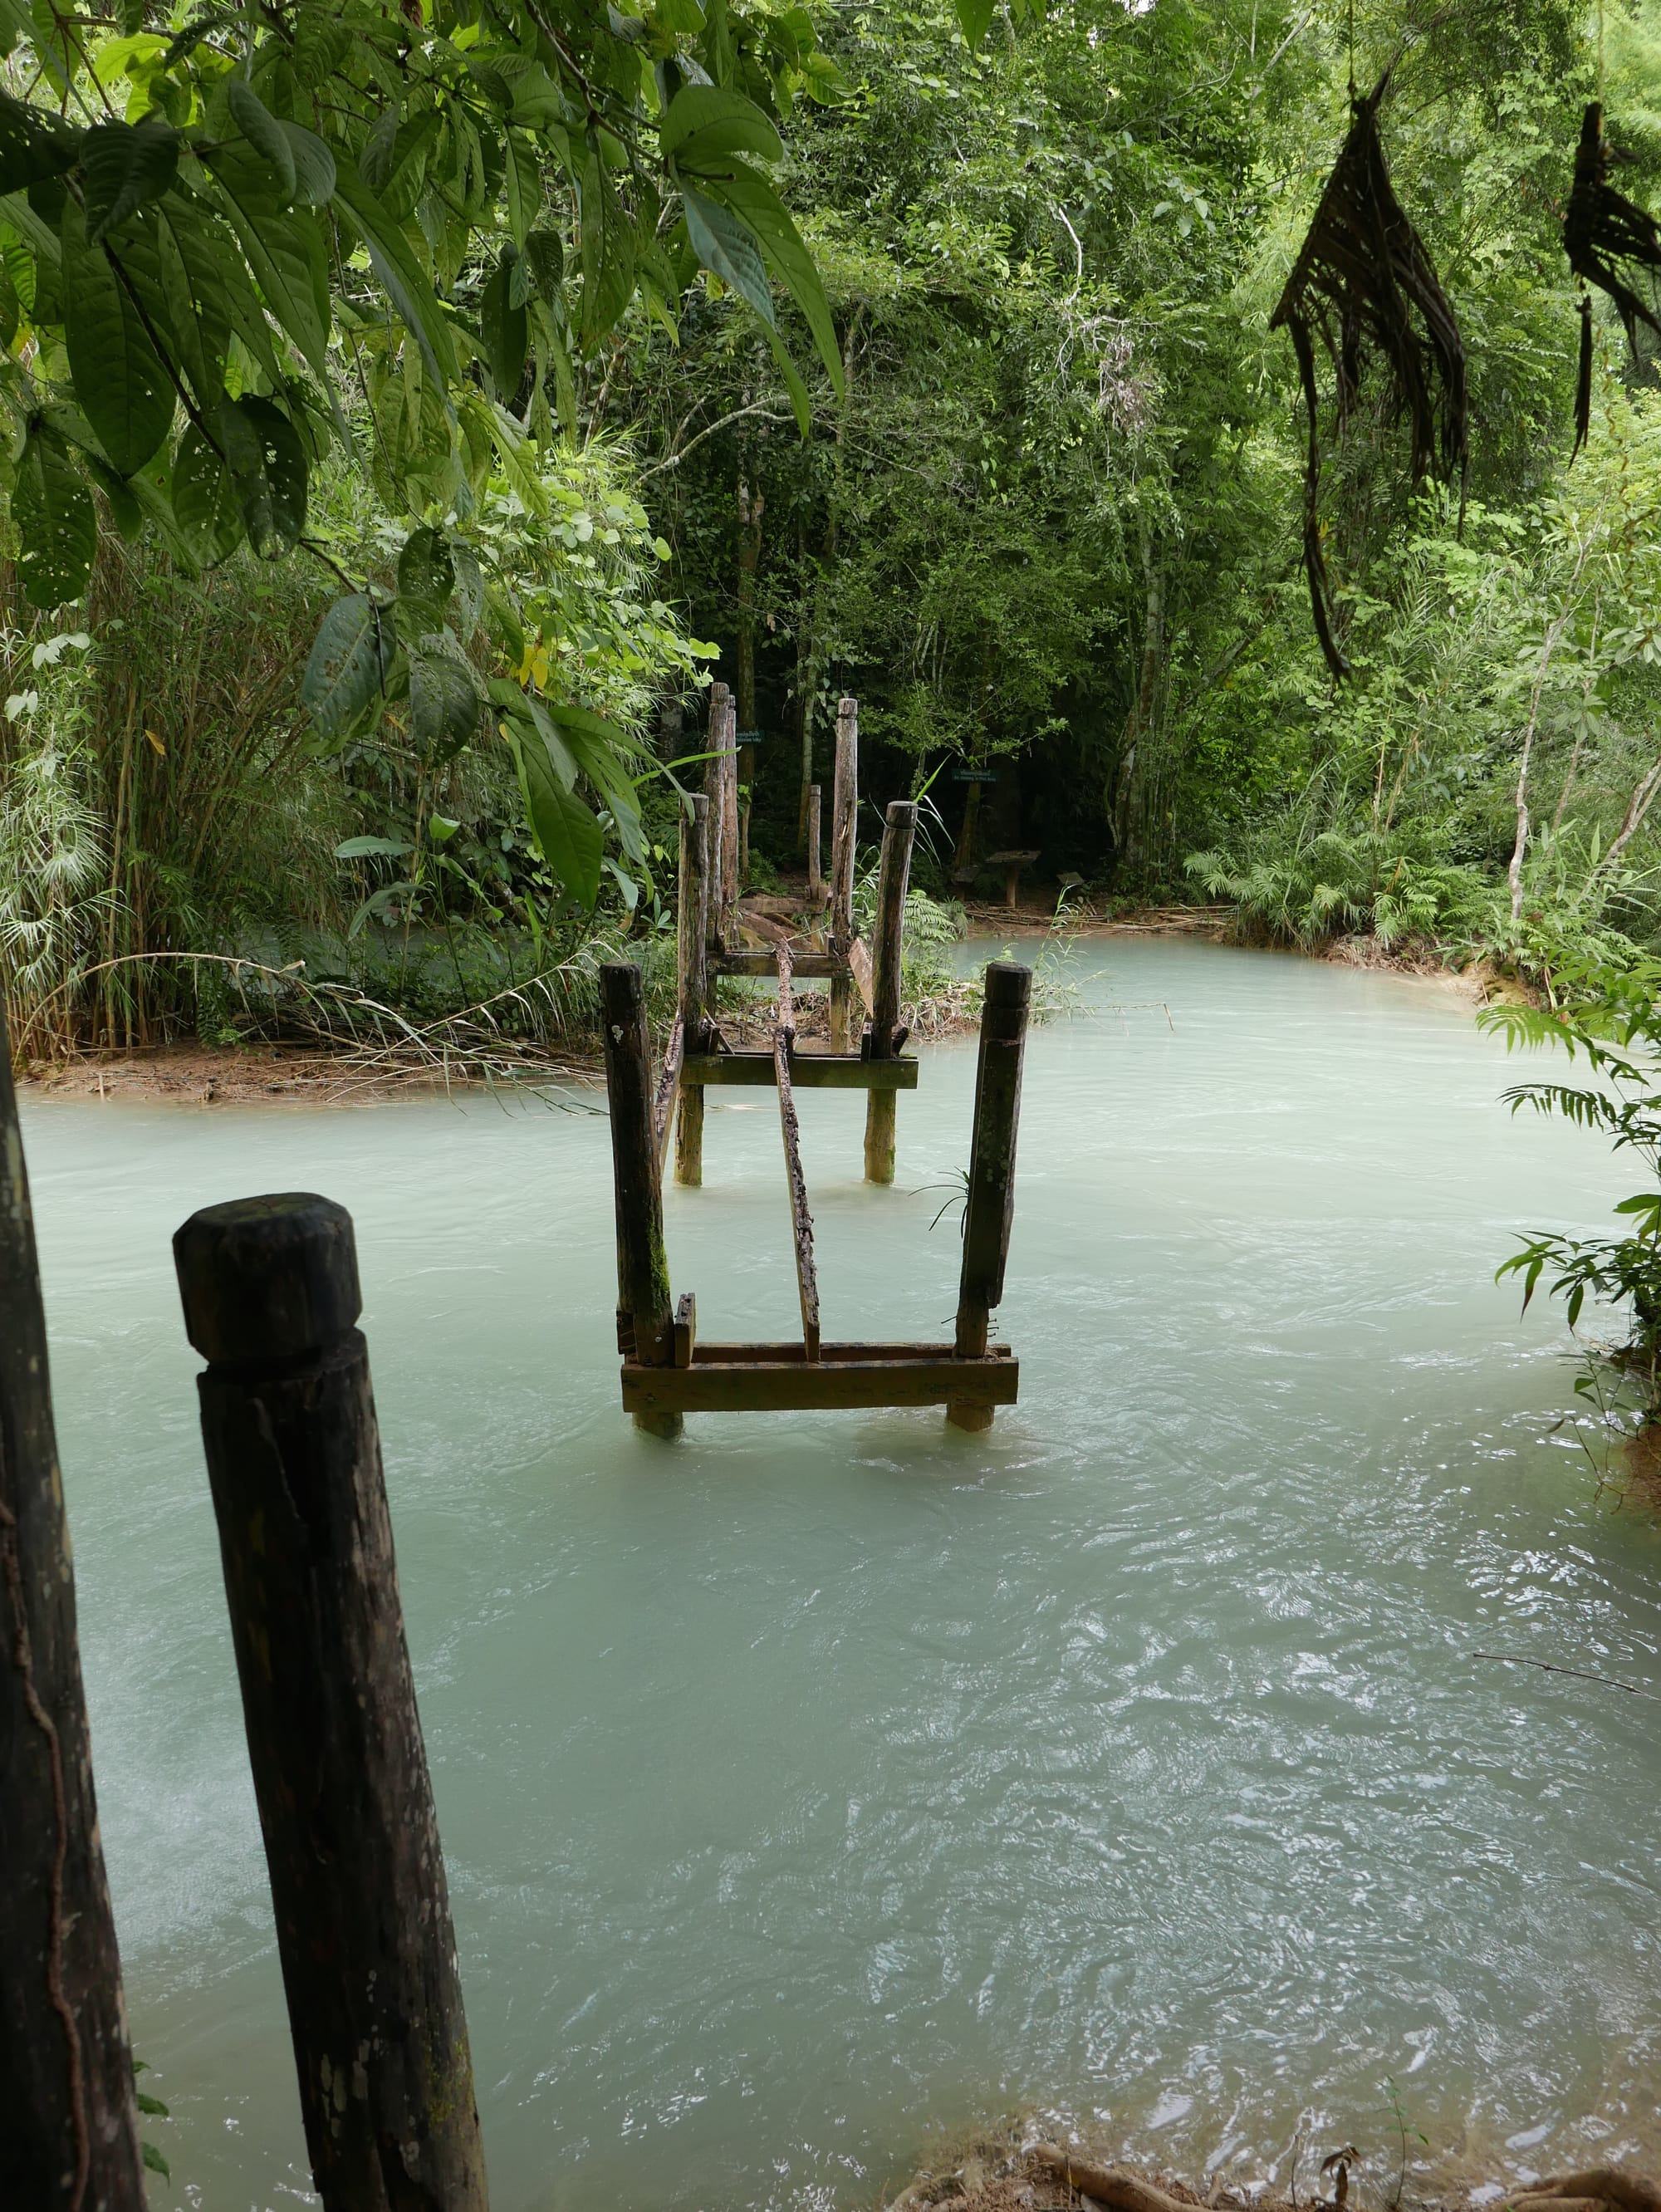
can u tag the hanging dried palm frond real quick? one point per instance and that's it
(1607, 239)
(1364, 284)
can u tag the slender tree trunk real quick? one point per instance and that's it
(751, 508)
(1140, 721)
(819, 620)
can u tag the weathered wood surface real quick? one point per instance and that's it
(806, 1278)
(643, 1290)
(817, 965)
(788, 1352)
(894, 877)
(810, 1071)
(668, 1085)
(859, 967)
(714, 787)
(816, 875)
(711, 1385)
(69, 2138)
(732, 881)
(692, 975)
(990, 1207)
(686, 1329)
(270, 1294)
(844, 807)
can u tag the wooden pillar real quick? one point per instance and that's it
(815, 878)
(643, 1293)
(270, 1293)
(990, 1207)
(692, 960)
(69, 2137)
(844, 807)
(731, 882)
(898, 834)
(746, 775)
(714, 775)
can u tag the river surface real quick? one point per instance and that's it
(824, 1779)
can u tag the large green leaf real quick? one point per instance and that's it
(394, 262)
(444, 699)
(53, 510)
(220, 296)
(751, 197)
(524, 180)
(314, 165)
(571, 839)
(728, 246)
(349, 661)
(119, 381)
(266, 457)
(33, 145)
(975, 17)
(606, 241)
(705, 122)
(188, 299)
(122, 166)
(207, 502)
(503, 326)
(264, 134)
(427, 572)
(284, 248)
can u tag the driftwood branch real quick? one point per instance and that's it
(1113, 2185)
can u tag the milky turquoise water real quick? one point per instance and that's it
(827, 1777)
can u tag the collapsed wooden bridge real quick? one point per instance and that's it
(667, 1372)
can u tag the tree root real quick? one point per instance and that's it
(1124, 2191)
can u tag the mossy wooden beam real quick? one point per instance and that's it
(989, 1206)
(725, 1379)
(643, 1291)
(810, 1071)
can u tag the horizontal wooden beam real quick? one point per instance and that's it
(810, 1071)
(766, 963)
(732, 1383)
(789, 1353)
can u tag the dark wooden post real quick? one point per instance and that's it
(714, 775)
(815, 878)
(732, 883)
(68, 2133)
(898, 834)
(643, 1293)
(270, 1293)
(845, 806)
(990, 1207)
(692, 960)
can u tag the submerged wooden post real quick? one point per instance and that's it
(692, 960)
(70, 2135)
(845, 806)
(989, 1206)
(815, 878)
(643, 1293)
(271, 1292)
(898, 835)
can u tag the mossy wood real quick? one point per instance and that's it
(270, 1294)
(894, 876)
(810, 1071)
(989, 1207)
(643, 1293)
(729, 1378)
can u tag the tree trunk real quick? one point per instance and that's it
(69, 2141)
(818, 621)
(1126, 811)
(750, 506)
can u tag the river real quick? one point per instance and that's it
(825, 1778)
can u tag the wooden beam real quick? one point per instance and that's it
(668, 1085)
(642, 1269)
(899, 834)
(859, 967)
(806, 1278)
(713, 773)
(71, 2127)
(810, 1071)
(855, 1350)
(714, 1385)
(686, 1329)
(270, 1293)
(731, 882)
(692, 963)
(990, 1208)
(814, 965)
(845, 808)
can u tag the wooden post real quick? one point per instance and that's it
(898, 835)
(714, 775)
(806, 1279)
(70, 2137)
(845, 806)
(692, 952)
(990, 1207)
(731, 882)
(815, 879)
(642, 1269)
(270, 1293)
(746, 784)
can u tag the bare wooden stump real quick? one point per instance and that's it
(989, 1206)
(70, 2137)
(692, 960)
(643, 1291)
(898, 835)
(815, 878)
(845, 806)
(270, 1294)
